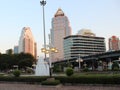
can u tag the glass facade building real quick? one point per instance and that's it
(80, 45)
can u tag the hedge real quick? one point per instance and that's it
(88, 79)
(26, 79)
(53, 82)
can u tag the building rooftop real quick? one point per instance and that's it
(85, 32)
(83, 36)
(59, 13)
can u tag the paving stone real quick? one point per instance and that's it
(17, 86)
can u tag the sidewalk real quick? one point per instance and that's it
(7, 86)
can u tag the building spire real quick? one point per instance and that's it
(59, 12)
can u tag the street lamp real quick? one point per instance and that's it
(79, 61)
(43, 3)
(47, 51)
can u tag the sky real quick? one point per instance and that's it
(101, 16)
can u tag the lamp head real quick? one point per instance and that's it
(43, 50)
(43, 2)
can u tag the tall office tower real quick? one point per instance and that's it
(27, 43)
(114, 43)
(15, 49)
(83, 45)
(60, 29)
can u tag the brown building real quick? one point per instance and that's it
(27, 43)
(114, 43)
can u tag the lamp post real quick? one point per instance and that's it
(43, 3)
(47, 51)
(52, 50)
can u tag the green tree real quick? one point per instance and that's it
(57, 68)
(4, 66)
(7, 61)
(4, 62)
(25, 63)
(115, 66)
(9, 51)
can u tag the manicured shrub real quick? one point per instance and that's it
(50, 82)
(69, 71)
(16, 73)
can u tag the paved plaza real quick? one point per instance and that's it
(8, 86)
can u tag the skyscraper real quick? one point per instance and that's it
(15, 49)
(60, 29)
(27, 43)
(114, 43)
